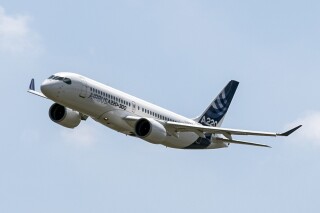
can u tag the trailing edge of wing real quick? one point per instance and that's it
(241, 142)
(32, 90)
(182, 127)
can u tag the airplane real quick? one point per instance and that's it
(77, 97)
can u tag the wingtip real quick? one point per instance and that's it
(31, 86)
(289, 132)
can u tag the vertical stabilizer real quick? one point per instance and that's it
(214, 114)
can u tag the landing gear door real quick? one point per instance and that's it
(84, 88)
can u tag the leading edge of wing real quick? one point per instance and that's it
(32, 90)
(182, 127)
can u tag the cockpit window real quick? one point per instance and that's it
(65, 80)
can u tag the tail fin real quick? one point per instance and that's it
(214, 114)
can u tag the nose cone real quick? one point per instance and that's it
(48, 88)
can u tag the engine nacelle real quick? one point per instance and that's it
(64, 116)
(150, 130)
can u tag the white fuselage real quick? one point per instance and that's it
(109, 107)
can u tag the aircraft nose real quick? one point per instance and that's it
(47, 88)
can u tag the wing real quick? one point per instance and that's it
(173, 128)
(201, 130)
(32, 90)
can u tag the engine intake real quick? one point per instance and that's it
(64, 116)
(150, 130)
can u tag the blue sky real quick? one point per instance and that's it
(179, 55)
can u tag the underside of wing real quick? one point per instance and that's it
(37, 93)
(200, 129)
(174, 128)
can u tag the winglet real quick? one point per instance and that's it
(33, 91)
(287, 133)
(31, 86)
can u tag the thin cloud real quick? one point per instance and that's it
(310, 131)
(16, 37)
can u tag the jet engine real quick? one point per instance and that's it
(64, 116)
(150, 130)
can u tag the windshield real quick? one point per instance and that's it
(65, 80)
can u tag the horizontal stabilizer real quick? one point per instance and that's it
(241, 142)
